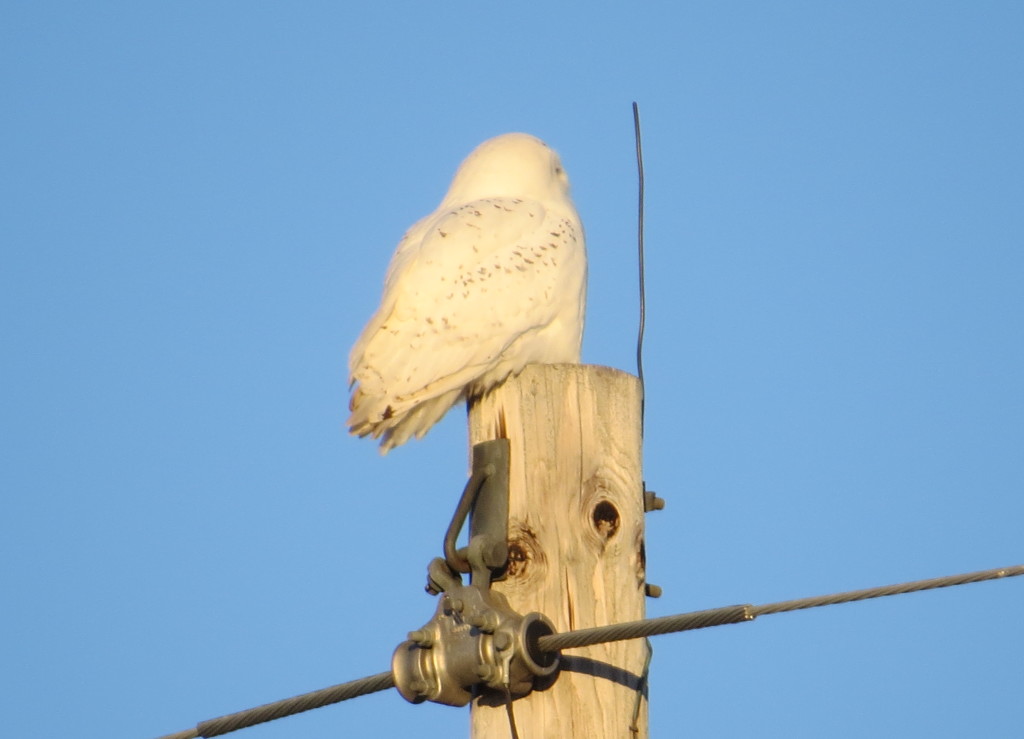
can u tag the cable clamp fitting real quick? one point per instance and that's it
(475, 645)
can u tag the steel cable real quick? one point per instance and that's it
(646, 627)
(586, 637)
(885, 590)
(739, 614)
(288, 707)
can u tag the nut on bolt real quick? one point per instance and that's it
(486, 672)
(422, 638)
(652, 502)
(487, 621)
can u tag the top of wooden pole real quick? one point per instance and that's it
(575, 540)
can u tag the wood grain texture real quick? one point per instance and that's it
(576, 540)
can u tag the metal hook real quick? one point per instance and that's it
(486, 495)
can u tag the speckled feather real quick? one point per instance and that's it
(491, 281)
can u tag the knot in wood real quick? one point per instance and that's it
(523, 551)
(605, 517)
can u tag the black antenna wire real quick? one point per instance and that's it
(640, 259)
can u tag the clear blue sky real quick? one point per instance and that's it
(198, 204)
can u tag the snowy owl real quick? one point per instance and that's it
(491, 281)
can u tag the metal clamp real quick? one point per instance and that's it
(475, 642)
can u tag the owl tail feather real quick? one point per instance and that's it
(394, 429)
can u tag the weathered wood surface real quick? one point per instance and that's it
(576, 539)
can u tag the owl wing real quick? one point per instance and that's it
(467, 286)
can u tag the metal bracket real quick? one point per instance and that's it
(475, 642)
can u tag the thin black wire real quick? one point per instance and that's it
(641, 690)
(738, 614)
(642, 687)
(586, 637)
(510, 711)
(640, 259)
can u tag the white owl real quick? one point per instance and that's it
(491, 281)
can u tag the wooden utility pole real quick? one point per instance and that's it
(576, 542)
